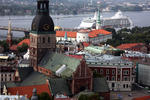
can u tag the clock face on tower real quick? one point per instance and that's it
(46, 27)
(34, 26)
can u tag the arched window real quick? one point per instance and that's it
(48, 39)
(43, 40)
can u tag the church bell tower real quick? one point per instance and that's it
(42, 35)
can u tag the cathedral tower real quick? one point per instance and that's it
(42, 35)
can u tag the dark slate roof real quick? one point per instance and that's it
(24, 72)
(59, 86)
(53, 61)
(25, 61)
(35, 78)
(100, 85)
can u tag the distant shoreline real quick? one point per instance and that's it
(74, 14)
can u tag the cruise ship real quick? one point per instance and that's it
(117, 21)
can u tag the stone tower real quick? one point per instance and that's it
(42, 35)
(9, 34)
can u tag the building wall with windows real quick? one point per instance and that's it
(119, 79)
(93, 36)
(6, 74)
(118, 73)
(143, 74)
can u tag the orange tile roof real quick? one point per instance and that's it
(94, 33)
(76, 56)
(128, 45)
(27, 41)
(86, 44)
(27, 90)
(69, 34)
(13, 47)
(142, 98)
(63, 99)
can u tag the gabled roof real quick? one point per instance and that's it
(128, 45)
(24, 72)
(27, 90)
(96, 32)
(54, 61)
(142, 98)
(14, 47)
(70, 34)
(59, 86)
(34, 78)
(100, 85)
(76, 56)
(26, 41)
(86, 44)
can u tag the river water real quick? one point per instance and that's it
(70, 21)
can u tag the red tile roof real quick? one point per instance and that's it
(27, 90)
(128, 45)
(76, 56)
(142, 98)
(94, 33)
(86, 44)
(26, 41)
(14, 47)
(69, 34)
(63, 99)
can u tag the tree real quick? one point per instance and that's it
(23, 48)
(94, 96)
(83, 97)
(44, 96)
(119, 52)
(5, 45)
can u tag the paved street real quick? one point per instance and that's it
(125, 95)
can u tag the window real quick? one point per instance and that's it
(126, 72)
(48, 39)
(127, 86)
(101, 71)
(118, 71)
(107, 71)
(124, 86)
(113, 85)
(107, 78)
(95, 70)
(113, 72)
(43, 40)
(126, 78)
(113, 78)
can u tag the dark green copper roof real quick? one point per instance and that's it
(53, 61)
(59, 86)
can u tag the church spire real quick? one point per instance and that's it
(65, 37)
(9, 34)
